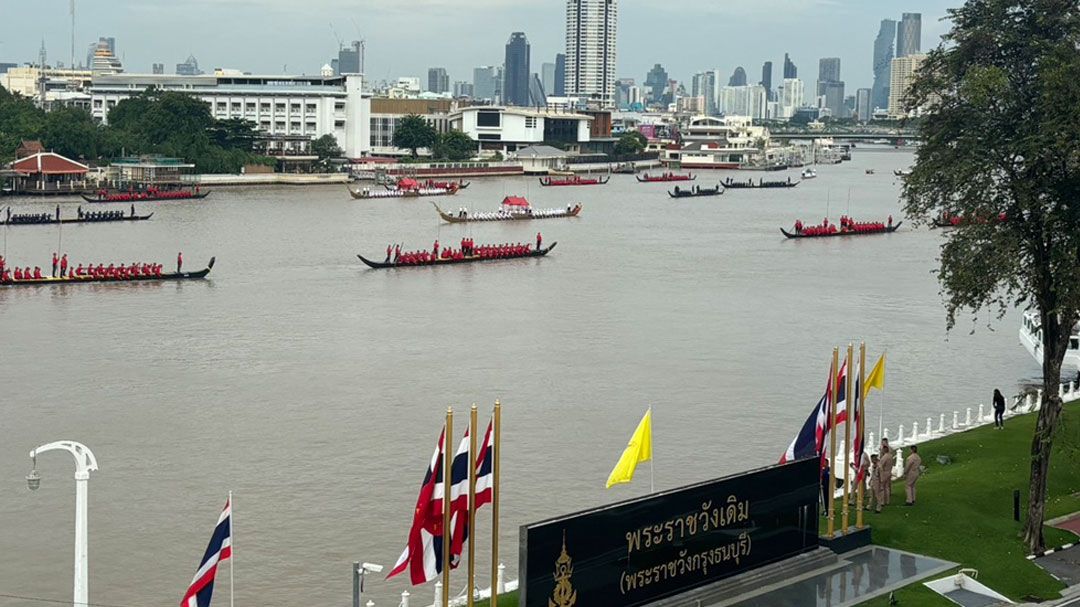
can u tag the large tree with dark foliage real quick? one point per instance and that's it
(413, 132)
(1001, 136)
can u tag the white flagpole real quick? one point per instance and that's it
(232, 546)
(652, 456)
(884, 387)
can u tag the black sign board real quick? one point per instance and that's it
(641, 550)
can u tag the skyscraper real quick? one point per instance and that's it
(791, 94)
(863, 111)
(738, 78)
(590, 50)
(883, 56)
(830, 89)
(790, 71)
(463, 89)
(516, 77)
(901, 77)
(704, 85)
(349, 59)
(547, 77)
(438, 81)
(158, 68)
(485, 79)
(560, 75)
(829, 69)
(656, 81)
(766, 79)
(909, 35)
(190, 67)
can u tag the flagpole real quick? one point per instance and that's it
(232, 546)
(447, 468)
(496, 453)
(831, 490)
(861, 412)
(847, 439)
(472, 506)
(652, 457)
(881, 407)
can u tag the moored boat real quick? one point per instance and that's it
(152, 196)
(513, 208)
(816, 232)
(574, 180)
(696, 192)
(409, 183)
(809, 173)
(476, 257)
(24, 219)
(902, 172)
(625, 168)
(48, 281)
(665, 177)
(954, 221)
(750, 184)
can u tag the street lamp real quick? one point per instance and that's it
(85, 462)
(359, 569)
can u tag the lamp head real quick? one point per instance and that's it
(33, 480)
(371, 568)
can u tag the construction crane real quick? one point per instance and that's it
(340, 42)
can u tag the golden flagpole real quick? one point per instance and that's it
(847, 437)
(861, 430)
(472, 505)
(448, 461)
(496, 454)
(831, 489)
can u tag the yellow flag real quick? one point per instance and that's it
(639, 450)
(876, 379)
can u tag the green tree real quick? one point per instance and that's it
(413, 132)
(1000, 137)
(234, 134)
(19, 119)
(631, 143)
(71, 132)
(455, 146)
(326, 147)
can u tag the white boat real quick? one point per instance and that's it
(809, 174)
(1031, 339)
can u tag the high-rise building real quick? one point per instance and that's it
(107, 42)
(883, 56)
(560, 75)
(790, 94)
(190, 67)
(704, 85)
(744, 101)
(157, 68)
(829, 69)
(903, 73)
(766, 78)
(547, 77)
(656, 82)
(738, 78)
(463, 89)
(438, 81)
(105, 61)
(349, 59)
(863, 107)
(591, 27)
(909, 35)
(485, 82)
(516, 77)
(830, 89)
(790, 71)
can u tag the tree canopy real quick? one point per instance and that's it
(999, 137)
(455, 146)
(631, 143)
(413, 132)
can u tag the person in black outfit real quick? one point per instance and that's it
(999, 409)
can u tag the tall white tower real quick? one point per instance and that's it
(590, 50)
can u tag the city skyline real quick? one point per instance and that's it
(302, 45)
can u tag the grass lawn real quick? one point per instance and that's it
(964, 510)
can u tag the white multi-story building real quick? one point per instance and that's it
(506, 129)
(292, 107)
(792, 95)
(901, 77)
(731, 142)
(590, 50)
(750, 100)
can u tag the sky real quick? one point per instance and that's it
(406, 37)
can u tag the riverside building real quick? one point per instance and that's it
(290, 108)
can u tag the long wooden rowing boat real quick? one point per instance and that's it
(379, 265)
(761, 184)
(575, 180)
(646, 178)
(549, 214)
(886, 230)
(696, 192)
(78, 280)
(48, 219)
(126, 198)
(422, 192)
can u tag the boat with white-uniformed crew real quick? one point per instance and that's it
(1031, 339)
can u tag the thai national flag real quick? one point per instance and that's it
(810, 440)
(459, 491)
(423, 552)
(220, 549)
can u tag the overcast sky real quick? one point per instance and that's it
(405, 37)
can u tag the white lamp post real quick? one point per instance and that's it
(85, 462)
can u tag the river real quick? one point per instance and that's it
(315, 389)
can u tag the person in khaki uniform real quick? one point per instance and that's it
(886, 463)
(877, 493)
(912, 471)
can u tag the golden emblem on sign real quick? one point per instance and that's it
(564, 594)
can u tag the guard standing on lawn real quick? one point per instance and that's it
(912, 472)
(999, 410)
(886, 463)
(877, 491)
